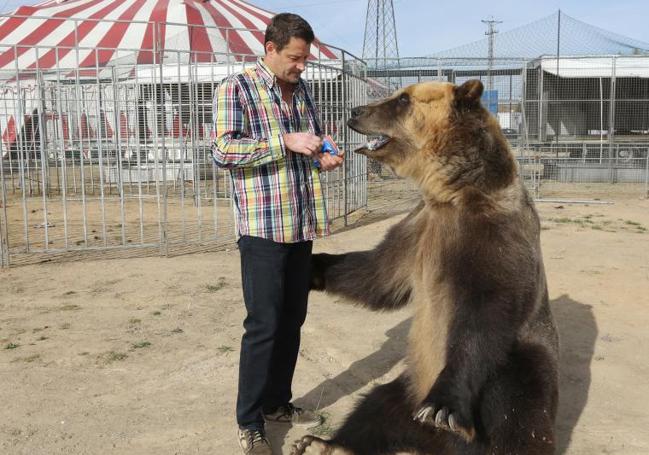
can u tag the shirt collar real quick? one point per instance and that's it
(270, 79)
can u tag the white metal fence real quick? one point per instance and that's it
(116, 159)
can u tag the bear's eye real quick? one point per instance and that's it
(404, 99)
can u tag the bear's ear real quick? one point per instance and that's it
(469, 93)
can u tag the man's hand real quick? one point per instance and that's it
(305, 143)
(328, 161)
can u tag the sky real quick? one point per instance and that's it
(428, 26)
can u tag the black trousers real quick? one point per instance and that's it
(275, 278)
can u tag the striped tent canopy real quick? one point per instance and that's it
(100, 33)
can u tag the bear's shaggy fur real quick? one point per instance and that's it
(483, 347)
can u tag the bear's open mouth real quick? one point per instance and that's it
(376, 143)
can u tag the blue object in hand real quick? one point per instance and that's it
(327, 147)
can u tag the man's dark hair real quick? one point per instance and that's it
(285, 26)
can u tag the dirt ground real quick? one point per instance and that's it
(139, 356)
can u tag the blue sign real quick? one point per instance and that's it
(490, 101)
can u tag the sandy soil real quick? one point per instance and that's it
(139, 356)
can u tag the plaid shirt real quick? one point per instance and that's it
(277, 193)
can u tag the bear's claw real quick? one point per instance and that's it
(444, 419)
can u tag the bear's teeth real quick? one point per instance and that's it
(377, 143)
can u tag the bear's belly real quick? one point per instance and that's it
(427, 342)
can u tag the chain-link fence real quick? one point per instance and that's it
(116, 160)
(569, 121)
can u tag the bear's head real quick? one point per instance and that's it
(440, 135)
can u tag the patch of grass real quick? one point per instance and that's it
(325, 429)
(220, 284)
(70, 293)
(177, 330)
(28, 359)
(70, 307)
(141, 344)
(223, 349)
(602, 225)
(134, 321)
(111, 356)
(562, 220)
(41, 338)
(156, 313)
(11, 346)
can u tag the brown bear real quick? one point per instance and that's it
(481, 374)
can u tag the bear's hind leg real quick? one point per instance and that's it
(382, 424)
(519, 404)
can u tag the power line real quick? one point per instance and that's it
(491, 32)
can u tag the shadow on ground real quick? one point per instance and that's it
(578, 333)
(357, 376)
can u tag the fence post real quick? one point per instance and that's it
(4, 257)
(646, 175)
(4, 221)
(45, 173)
(611, 123)
(540, 135)
(343, 80)
(158, 57)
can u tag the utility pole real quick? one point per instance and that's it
(381, 52)
(491, 32)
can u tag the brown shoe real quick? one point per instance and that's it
(254, 442)
(294, 415)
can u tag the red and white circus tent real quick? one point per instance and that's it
(145, 27)
(56, 37)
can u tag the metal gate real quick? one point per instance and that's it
(116, 160)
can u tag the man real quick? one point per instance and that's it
(268, 134)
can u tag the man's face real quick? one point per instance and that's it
(288, 64)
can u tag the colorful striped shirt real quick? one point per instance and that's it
(277, 193)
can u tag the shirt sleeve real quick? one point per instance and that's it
(233, 147)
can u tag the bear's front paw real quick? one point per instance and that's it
(320, 263)
(446, 410)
